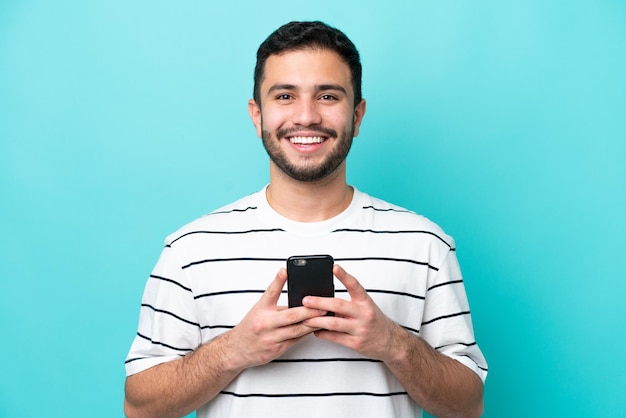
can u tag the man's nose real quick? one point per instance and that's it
(306, 113)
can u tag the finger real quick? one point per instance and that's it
(336, 337)
(354, 288)
(295, 316)
(294, 333)
(329, 323)
(340, 307)
(274, 290)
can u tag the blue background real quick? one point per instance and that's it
(503, 121)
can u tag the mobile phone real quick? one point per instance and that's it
(309, 275)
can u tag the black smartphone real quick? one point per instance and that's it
(309, 275)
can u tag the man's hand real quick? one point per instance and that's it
(268, 330)
(358, 324)
(439, 384)
(177, 387)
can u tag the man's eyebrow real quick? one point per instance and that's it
(281, 87)
(337, 87)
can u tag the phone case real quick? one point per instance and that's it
(309, 275)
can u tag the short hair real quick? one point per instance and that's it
(295, 36)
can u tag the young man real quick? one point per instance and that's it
(213, 336)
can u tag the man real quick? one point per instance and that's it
(214, 336)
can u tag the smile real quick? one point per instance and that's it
(306, 140)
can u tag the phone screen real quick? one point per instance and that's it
(309, 275)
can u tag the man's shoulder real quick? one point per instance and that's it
(223, 219)
(390, 216)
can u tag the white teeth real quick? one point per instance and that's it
(306, 140)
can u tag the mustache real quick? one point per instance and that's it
(281, 133)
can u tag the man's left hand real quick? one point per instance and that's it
(358, 324)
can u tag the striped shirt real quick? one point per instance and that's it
(213, 270)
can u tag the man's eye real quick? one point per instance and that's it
(284, 96)
(328, 97)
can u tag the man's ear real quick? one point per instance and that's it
(359, 112)
(254, 111)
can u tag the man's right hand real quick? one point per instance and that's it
(177, 387)
(267, 330)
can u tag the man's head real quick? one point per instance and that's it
(295, 36)
(307, 105)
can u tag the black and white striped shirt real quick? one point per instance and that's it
(214, 269)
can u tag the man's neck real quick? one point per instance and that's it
(309, 201)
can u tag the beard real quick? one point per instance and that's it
(305, 169)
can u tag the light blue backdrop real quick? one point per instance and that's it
(503, 121)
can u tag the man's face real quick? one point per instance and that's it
(307, 117)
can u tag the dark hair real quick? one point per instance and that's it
(302, 35)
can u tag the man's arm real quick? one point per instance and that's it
(439, 384)
(178, 387)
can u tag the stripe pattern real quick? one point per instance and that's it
(214, 269)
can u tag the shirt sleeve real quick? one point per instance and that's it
(447, 323)
(168, 324)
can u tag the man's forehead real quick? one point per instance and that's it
(320, 66)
